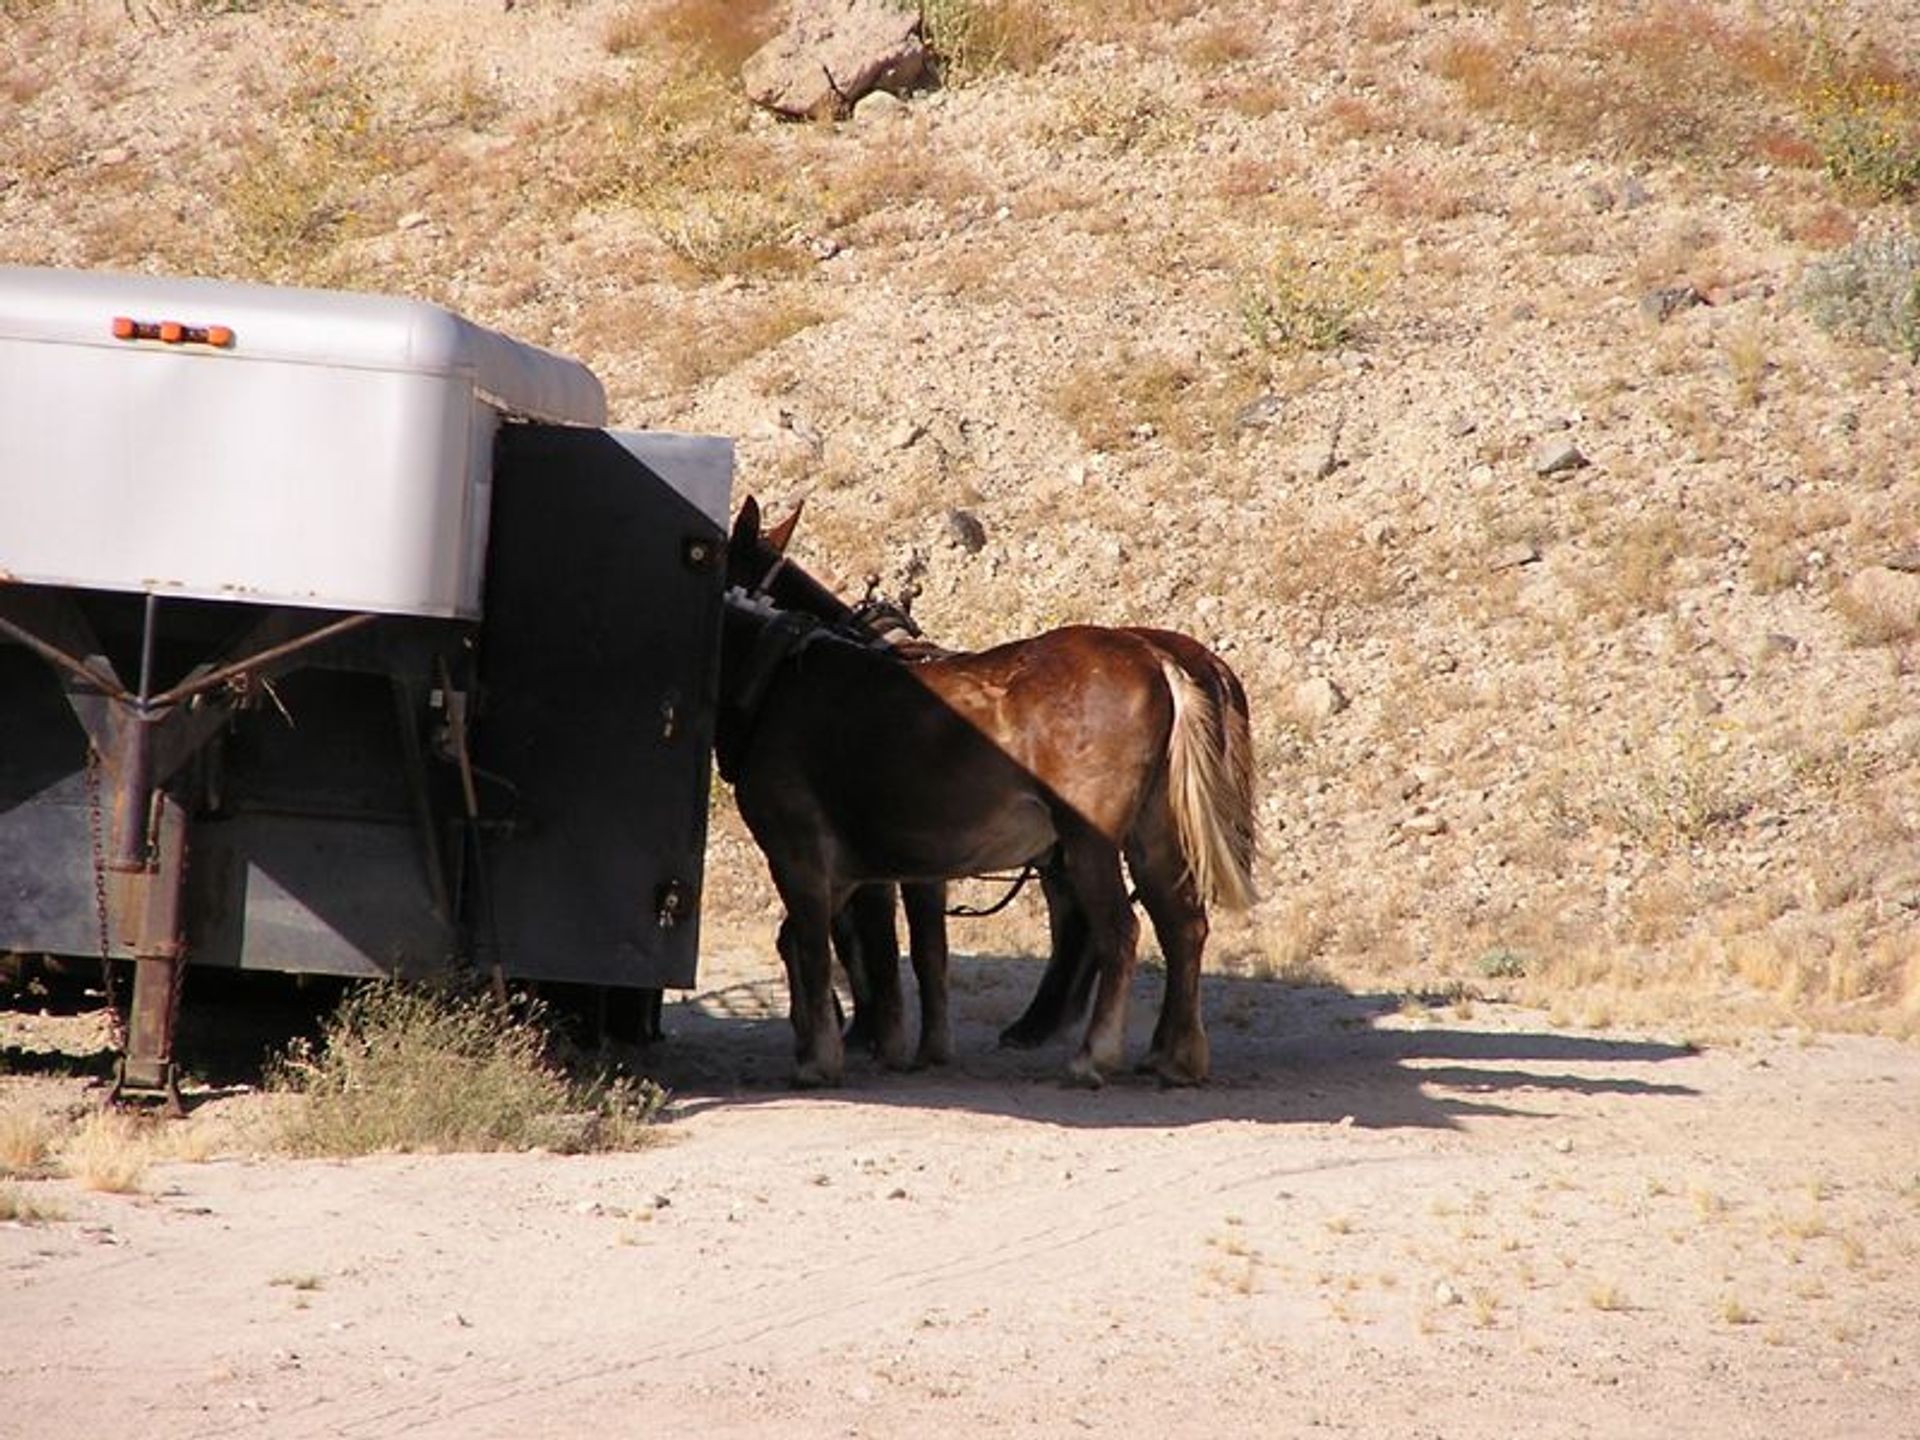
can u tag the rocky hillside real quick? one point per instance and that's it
(1521, 396)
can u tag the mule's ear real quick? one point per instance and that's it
(781, 535)
(746, 527)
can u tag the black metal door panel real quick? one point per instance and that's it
(598, 664)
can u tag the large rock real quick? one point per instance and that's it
(833, 53)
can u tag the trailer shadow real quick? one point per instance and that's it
(1282, 1054)
(54, 1021)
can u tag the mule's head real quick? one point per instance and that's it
(754, 554)
(757, 563)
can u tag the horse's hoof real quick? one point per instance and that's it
(1019, 1036)
(933, 1056)
(1083, 1072)
(1178, 1077)
(814, 1077)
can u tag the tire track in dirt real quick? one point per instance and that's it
(1039, 1248)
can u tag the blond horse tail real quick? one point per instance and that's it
(1210, 790)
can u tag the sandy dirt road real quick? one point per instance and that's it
(1379, 1221)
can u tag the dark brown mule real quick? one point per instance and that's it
(851, 767)
(863, 930)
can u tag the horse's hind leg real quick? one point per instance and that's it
(926, 907)
(1069, 977)
(1179, 1054)
(1092, 866)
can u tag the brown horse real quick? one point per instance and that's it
(852, 767)
(863, 933)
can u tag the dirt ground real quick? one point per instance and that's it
(1381, 1220)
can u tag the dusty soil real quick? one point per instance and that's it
(1382, 1220)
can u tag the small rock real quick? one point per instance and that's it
(413, 220)
(1445, 1294)
(1901, 888)
(878, 107)
(1559, 457)
(1512, 557)
(1907, 562)
(1664, 304)
(966, 531)
(1261, 414)
(1462, 426)
(1424, 822)
(1318, 698)
(1598, 197)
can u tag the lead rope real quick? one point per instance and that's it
(970, 912)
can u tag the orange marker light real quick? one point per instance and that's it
(172, 332)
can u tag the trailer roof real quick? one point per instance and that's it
(322, 327)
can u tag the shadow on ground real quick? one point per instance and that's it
(1282, 1054)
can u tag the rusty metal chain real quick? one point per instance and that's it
(96, 827)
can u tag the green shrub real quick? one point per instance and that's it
(1869, 292)
(1295, 302)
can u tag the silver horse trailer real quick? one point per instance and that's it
(338, 635)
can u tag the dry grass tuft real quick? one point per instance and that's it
(409, 1069)
(20, 1207)
(1127, 398)
(974, 38)
(26, 1141)
(1117, 120)
(1693, 80)
(110, 1152)
(686, 347)
(717, 35)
